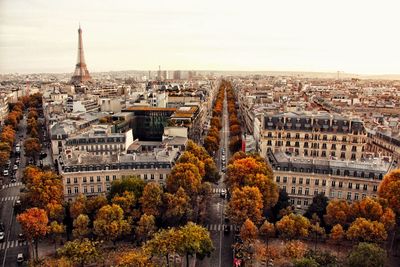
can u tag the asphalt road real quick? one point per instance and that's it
(9, 193)
(223, 254)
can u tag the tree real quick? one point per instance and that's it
(188, 157)
(241, 171)
(388, 218)
(110, 223)
(177, 206)
(367, 208)
(246, 203)
(151, 199)
(337, 234)
(211, 144)
(248, 231)
(389, 189)
(281, 204)
(267, 187)
(211, 171)
(365, 254)
(185, 175)
(197, 151)
(337, 212)
(8, 135)
(78, 207)
(293, 226)
(56, 230)
(32, 147)
(126, 201)
(235, 143)
(164, 243)
(365, 230)
(81, 226)
(306, 262)
(318, 207)
(317, 231)
(34, 225)
(267, 230)
(81, 252)
(94, 204)
(134, 257)
(294, 249)
(194, 240)
(131, 184)
(146, 227)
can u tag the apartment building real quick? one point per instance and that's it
(319, 135)
(303, 178)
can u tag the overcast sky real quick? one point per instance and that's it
(297, 35)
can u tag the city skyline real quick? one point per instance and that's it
(40, 36)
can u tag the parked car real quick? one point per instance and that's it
(227, 229)
(222, 194)
(5, 172)
(2, 236)
(15, 167)
(13, 180)
(21, 237)
(20, 258)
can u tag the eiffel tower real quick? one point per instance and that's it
(81, 73)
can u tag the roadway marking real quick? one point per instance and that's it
(11, 185)
(217, 190)
(9, 198)
(12, 243)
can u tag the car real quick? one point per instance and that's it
(222, 194)
(2, 236)
(20, 258)
(2, 227)
(15, 167)
(5, 172)
(227, 229)
(13, 180)
(21, 237)
(226, 219)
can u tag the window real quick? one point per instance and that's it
(114, 177)
(75, 180)
(305, 144)
(68, 180)
(85, 189)
(355, 196)
(308, 181)
(316, 181)
(342, 155)
(108, 187)
(300, 180)
(340, 184)
(300, 191)
(92, 189)
(307, 192)
(357, 186)
(333, 183)
(348, 195)
(323, 182)
(350, 185)
(293, 190)
(91, 179)
(315, 192)
(69, 190)
(333, 146)
(99, 188)
(306, 202)
(363, 196)
(84, 179)
(145, 176)
(297, 136)
(76, 190)
(284, 179)
(278, 179)
(293, 180)
(161, 176)
(98, 179)
(107, 178)
(323, 146)
(375, 188)
(365, 187)
(332, 193)
(339, 194)
(299, 202)
(287, 143)
(269, 143)
(152, 176)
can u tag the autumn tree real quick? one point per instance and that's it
(56, 230)
(246, 203)
(211, 144)
(177, 207)
(78, 206)
(293, 226)
(337, 234)
(146, 227)
(188, 157)
(317, 232)
(365, 230)
(94, 204)
(194, 240)
(185, 175)
(211, 171)
(164, 243)
(126, 201)
(110, 223)
(248, 231)
(34, 226)
(134, 257)
(131, 184)
(337, 212)
(267, 230)
(389, 189)
(366, 254)
(81, 226)
(151, 199)
(8, 135)
(81, 252)
(32, 147)
(242, 170)
(197, 151)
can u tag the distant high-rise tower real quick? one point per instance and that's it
(81, 73)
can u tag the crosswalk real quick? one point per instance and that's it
(12, 244)
(219, 227)
(9, 198)
(4, 186)
(217, 190)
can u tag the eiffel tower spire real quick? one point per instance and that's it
(81, 73)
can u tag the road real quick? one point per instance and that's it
(223, 254)
(9, 193)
